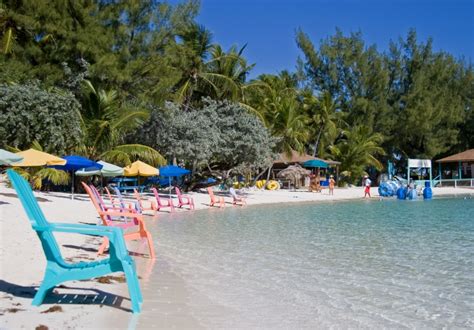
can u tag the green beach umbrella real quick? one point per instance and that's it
(108, 170)
(9, 158)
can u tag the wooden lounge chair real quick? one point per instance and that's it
(121, 218)
(162, 203)
(214, 199)
(184, 199)
(237, 200)
(57, 270)
(141, 205)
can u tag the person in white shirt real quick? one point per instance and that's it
(367, 186)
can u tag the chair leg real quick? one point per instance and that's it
(149, 240)
(46, 287)
(133, 286)
(103, 246)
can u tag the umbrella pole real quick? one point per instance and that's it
(72, 186)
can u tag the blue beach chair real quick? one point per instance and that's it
(57, 270)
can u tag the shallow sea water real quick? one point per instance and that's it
(358, 264)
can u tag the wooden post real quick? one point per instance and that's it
(440, 175)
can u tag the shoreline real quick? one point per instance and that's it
(22, 260)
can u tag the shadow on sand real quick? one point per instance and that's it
(93, 297)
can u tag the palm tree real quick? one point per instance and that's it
(358, 150)
(325, 120)
(233, 69)
(210, 71)
(106, 122)
(289, 125)
(276, 101)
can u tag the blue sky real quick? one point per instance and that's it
(268, 26)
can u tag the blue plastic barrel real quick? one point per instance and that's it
(402, 193)
(411, 194)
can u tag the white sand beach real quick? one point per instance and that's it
(90, 304)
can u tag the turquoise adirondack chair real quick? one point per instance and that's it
(57, 270)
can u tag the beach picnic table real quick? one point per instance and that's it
(125, 184)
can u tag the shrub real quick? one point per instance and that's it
(28, 113)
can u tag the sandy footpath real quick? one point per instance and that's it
(90, 304)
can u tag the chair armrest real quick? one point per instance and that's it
(81, 229)
(127, 214)
(114, 234)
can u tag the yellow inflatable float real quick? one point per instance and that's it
(273, 185)
(260, 184)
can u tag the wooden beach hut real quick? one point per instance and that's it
(458, 169)
(284, 160)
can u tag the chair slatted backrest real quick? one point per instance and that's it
(35, 215)
(122, 202)
(211, 194)
(136, 194)
(178, 193)
(93, 197)
(96, 200)
(28, 200)
(157, 196)
(233, 193)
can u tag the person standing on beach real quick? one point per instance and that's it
(332, 182)
(367, 186)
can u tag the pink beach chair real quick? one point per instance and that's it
(152, 206)
(237, 200)
(136, 229)
(214, 199)
(184, 199)
(162, 203)
(115, 206)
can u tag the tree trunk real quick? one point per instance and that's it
(316, 144)
(269, 172)
(260, 174)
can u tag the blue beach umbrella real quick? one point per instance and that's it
(75, 163)
(173, 171)
(170, 171)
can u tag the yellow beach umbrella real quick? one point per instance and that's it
(141, 169)
(32, 157)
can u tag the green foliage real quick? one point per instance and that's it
(415, 97)
(36, 176)
(222, 77)
(326, 122)
(122, 58)
(425, 98)
(221, 135)
(276, 100)
(28, 113)
(106, 121)
(358, 150)
(126, 154)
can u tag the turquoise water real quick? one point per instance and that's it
(362, 264)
